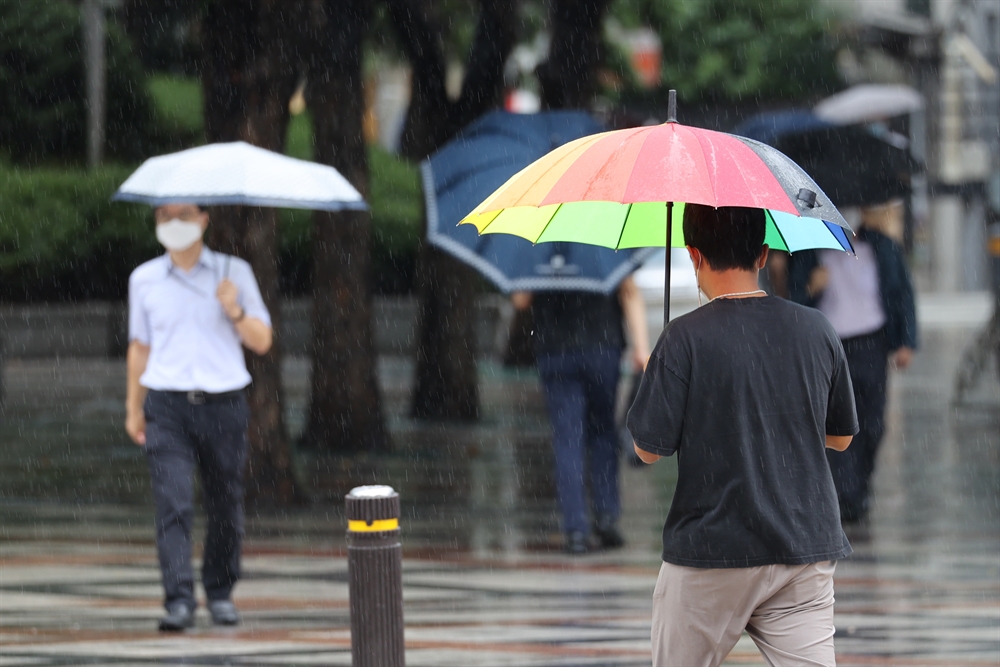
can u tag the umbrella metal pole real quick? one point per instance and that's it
(666, 266)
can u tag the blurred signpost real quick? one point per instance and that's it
(94, 46)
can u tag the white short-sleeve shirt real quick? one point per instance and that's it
(193, 345)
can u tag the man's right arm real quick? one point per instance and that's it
(838, 442)
(521, 300)
(135, 394)
(644, 456)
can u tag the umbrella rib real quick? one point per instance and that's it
(628, 211)
(549, 222)
(774, 222)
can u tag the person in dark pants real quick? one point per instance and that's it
(869, 301)
(191, 312)
(578, 346)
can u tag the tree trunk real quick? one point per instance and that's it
(247, 80)
(345, 413)
(567, 80)
(447, 386)
(567, 77)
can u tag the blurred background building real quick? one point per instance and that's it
(949, 50)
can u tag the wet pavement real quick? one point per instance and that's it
(484, 582)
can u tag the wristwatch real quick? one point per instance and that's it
(239, 318)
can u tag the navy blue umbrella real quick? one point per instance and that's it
(479, 160)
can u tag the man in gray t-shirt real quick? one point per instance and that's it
(748, 391)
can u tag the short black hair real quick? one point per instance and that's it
(729, 237)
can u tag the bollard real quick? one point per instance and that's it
(375, 577)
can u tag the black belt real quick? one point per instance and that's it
(198, 397)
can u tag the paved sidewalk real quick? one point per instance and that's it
(484, 583)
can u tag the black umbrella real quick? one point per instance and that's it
(853, 166)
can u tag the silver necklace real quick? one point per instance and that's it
(723, 296)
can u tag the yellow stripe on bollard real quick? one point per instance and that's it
(379, 524)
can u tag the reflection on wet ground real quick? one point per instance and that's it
(484, 581)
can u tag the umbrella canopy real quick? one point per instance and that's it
(852, 165)
(238, 173)
(869, 102)
(620, 190)
(480, 159)
(770, 128)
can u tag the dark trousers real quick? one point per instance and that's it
(580, 389)
(852, 469)
(212, 436)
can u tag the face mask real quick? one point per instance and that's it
(178, 235)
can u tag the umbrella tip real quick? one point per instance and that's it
(672, 106)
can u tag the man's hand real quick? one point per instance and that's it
(256, 336)
(135, 426)
(135, 394)
(902, 357)
(639, 359)
(521, 300)
(838, 443)
(227, 294)
(634, 310)
(644, 456)
(818, 280)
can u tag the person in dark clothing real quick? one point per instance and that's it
(748, 391)
(869, 301)
(578, 341)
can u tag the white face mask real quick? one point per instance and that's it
(178, 235)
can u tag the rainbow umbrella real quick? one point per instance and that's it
(622, 189)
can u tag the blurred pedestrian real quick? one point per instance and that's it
(191, 312)
(869, 301)
(578, 341)
(748, 391)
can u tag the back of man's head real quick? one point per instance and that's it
(730, 237)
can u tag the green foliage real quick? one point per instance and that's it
(177, 104)
(396, 201)
(61, 236)
(42, 85)
(299, 137)
(728, 50)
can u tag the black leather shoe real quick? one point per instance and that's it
(223, 612)
(607, 533)
(576, 543)
(180, 616)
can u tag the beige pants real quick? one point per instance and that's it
(699, 614)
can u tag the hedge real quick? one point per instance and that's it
(61, 238)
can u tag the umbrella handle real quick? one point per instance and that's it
(225, 270)
(666, 265)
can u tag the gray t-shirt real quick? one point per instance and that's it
(745, 392)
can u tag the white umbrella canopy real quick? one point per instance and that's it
(239, 173)
(868, 103)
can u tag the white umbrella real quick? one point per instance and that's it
(238, 173)
(868, 103)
